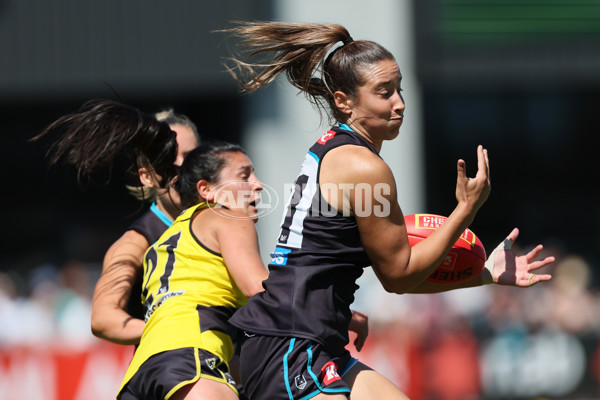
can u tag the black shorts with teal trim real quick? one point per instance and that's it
(291, 368)
(164, 373)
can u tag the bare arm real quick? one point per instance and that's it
(121, 268)
(234, 237)
(399, 267)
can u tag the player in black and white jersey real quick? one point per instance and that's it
(343, 216)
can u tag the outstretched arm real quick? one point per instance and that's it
(502, 267)
(379, 218)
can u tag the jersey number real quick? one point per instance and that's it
(151, 264)
(295, 198)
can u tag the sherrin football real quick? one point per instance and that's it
(464, 260)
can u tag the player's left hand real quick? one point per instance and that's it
(360, 325)
(503, 267)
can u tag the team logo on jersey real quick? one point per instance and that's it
(280, 256)
(300, 382)
(211, 362)
(325, 137)
(329, 373)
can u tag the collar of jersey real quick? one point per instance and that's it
(211, 204)
(345, 127)
(161, 215)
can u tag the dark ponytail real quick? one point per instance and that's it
(101, 130)
(267, 49)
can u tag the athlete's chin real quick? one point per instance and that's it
(393, 132)
(394, 124)
(253, 213)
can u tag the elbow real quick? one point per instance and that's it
(394, 287)
(98, 333)
(255, 287)
(397, 275)
(251, 291)
(97, 326)
(399, 282)
(100, 322)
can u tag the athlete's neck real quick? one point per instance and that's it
(162, 213)
(357, 129)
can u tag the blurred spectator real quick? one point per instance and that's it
(573, 307)
(54, 308)
(73, 304)
(486, 342)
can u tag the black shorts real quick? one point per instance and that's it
(291, 368)
(164, 373)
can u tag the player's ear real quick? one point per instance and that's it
(343, 102)
(146, 177)
(205, 191)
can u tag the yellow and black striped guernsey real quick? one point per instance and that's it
(188, 296)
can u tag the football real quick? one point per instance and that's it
(464, 260)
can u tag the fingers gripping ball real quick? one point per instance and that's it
(465, 259)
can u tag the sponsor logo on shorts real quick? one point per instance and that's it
(329, 372)
(300, 382)
(211, 362)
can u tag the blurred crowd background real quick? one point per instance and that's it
(522, 78)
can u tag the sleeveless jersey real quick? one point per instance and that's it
(315, 265)
(188, 296)
(151, 225)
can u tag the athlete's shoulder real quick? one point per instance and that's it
(128, 249)
(354, 164)
(334, 136)
(357, 157)
(150, 226)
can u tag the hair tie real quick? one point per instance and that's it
(347, 41)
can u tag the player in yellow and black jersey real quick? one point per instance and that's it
(196, 275)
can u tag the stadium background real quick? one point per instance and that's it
(522, 78)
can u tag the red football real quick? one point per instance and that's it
(464, 260)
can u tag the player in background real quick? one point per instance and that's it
(120, 281)
(116, 308)
(295, 331)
